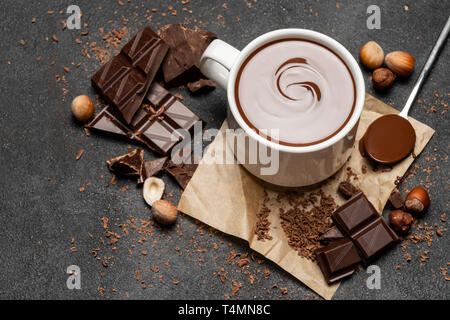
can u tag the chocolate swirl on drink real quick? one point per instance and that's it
(297, 87)
(301, 69)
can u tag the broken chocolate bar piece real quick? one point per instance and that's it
(107, 122)
(182, 63)
(162, 130)
(182, 167)
(396, 199)
(338, 260)
(151, 168)
(358, 219)
(201, 86)
(347, 190)
(125, 80)
(332, 234)
(129, 164)
(160, 125)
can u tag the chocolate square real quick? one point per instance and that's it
(374, 239)
(338, 260)
(354, 214)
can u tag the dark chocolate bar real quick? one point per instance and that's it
(359, 220)
(160, 123)
(125, 80)
(338, 260)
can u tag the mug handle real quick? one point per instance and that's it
(217, 61)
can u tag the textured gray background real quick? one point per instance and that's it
(39, 139)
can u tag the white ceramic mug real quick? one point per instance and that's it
(298, 166)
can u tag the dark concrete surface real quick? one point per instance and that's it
(42, 208)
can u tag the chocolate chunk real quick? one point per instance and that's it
(159, 124)
(151, 168)
(358, 219)
(201, 86)
(338, 260)
(129, 164)
(125, 80)
(347, 190)
(332, 234)
(182, 63)
(396, 199)
(182, 172)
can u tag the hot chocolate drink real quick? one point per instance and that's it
(299, 87)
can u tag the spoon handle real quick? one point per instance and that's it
(426, 69)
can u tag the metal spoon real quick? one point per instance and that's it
(391, 138)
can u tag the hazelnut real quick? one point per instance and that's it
(83, 108)
(153, 190)
(417, 201)
(400, 221)
(400, 62)
(164, 212)
(382, 78)
(371, 55)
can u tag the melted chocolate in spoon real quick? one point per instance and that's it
(391, 138)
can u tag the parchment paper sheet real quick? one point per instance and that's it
(228, 198)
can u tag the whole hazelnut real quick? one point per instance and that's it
(371, 55)
(400, 62)
(83, 108)
(382, 78)
(164, 212)
(400, 221)
(417, 201)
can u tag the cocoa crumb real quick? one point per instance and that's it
(79, 154)
(262, 228)
(105, 222)
(112, 181)
(243, 262)
(307, 220)
(347, 190)
(364, 169)
(236, 287)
